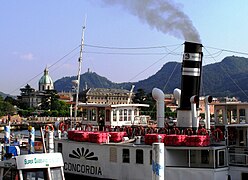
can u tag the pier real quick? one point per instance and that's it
(36, 122)
(23, 126)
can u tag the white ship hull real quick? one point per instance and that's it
(108, 161)
(104, 160)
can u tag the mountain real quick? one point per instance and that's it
(89, 79)
(167, 78)
(225, 78)
(4, 95)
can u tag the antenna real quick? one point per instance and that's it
(77, 82)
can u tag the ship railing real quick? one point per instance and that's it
(142, 120)
(51, 119)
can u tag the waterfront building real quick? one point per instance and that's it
(107, 96)
(31, 98)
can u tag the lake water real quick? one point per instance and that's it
(20, 133)
(26, 132)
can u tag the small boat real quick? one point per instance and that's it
(28, 161)
(33, 166)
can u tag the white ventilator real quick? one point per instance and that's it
(158, 95)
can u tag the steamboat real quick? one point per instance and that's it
(123, 147)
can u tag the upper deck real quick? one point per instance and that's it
(231, 113)
(113, 115)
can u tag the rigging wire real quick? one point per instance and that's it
(227, 50)
(215, 54)
(48, 67)
(129, 48)
(225, 71)
(170, 77)
(125, 53)
(64, 56)
(172, 71)
(59, 66)
(210, 55)
(155, 63)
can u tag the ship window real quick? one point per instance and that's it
(35, 174)
(125, 156)
(139, 156)
(84, 115)
(232, 116)
(201, 158)
(93, 114)
(129, 115)
(241, 138)
(125, 114)
(204, 156)
(10, 173)
(120, 115)
(60, 147)
(150, 156)
(136, 112)
(113, 154)
(114, 115)
(192, 157)
(242, 116)
(244, 176)
(101, 114)
(56, 173)
(107, 115)
(89, 115)
(221, 158)
(220, 116)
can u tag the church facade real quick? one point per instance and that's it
(46, 82)
(34, 99)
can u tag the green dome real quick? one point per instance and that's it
(45, 82)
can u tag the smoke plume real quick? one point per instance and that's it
(164, 15)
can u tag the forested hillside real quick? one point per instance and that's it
(226, 78)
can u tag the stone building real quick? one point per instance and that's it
(32, 98)
(107, 96)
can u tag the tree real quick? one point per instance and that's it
(52, 102)
(24, 113)
(6, 108)
(59, 105)
(11, 100)
(142, 98)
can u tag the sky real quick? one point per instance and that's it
(124, 40)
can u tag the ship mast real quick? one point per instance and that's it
(77, 82)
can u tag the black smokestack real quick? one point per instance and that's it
(164, 15)
(191, 73)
